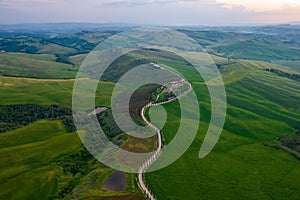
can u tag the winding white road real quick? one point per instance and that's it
(155, 155)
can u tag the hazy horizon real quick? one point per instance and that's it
(151, 12)
(140, 24)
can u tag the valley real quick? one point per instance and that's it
(42, 156)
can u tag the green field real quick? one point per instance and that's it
(29, 168)
(34, 66)
(262, 106)
(43, 161)
(27, 156)
(258, 51)
(46, 92)
(289, 64)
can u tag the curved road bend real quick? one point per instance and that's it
(155, 155)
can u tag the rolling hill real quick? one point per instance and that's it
(252, 159)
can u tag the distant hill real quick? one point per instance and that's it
(62, 28)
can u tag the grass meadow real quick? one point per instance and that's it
(261, 107)
(26, 162)
(35, 66)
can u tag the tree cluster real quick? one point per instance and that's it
(15, 116)
(295, 77)
(291, 141)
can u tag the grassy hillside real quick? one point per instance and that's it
(262, 107)
(46, 92)
(34, 66)
(258, 51)
(236, 169)
(42, 56)
(290, 64)
(26, 157)
(49, 163)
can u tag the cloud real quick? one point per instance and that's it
(28, 4)
(3, 4)
(124, 3)
(130, 3)
(179, 13)
(267, 11)
(155, 12)
(259, 5)
(282, 15)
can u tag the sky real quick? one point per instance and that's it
(152, 12)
